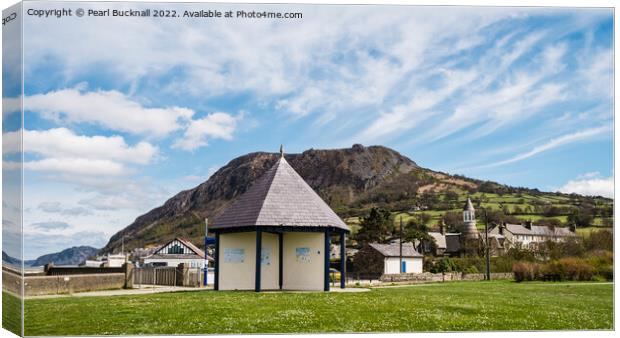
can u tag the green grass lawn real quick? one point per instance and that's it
(457, 306)
(11, 313)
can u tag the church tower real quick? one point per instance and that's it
(469, 221)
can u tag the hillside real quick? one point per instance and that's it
(6, 259)
(70, 256)
(350, 180)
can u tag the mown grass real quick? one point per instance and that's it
(11, 313)
(458, 306)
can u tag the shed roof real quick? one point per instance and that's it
(279, 198)
(393, 249)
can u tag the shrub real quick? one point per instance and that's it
(444, 265)
(576, 269)
(471, 269)
(606, 273)
(526, 271)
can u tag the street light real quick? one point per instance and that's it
(486, 244)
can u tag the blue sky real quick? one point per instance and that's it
(121, 114)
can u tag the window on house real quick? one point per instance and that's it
(175, 249)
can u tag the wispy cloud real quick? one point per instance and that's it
(56, 207)
(51, 225)
(556, 142)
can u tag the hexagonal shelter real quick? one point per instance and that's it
(277, 236)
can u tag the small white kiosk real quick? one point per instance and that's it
(277, 236)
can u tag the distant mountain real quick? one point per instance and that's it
(71, 256)
(14, 261)
(350, 180)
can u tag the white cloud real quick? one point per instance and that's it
(111, 202)
(557, 142)
(56, 207)
(77, 166)
(597, 72)
(65, 152)
(405, 116)
(50, 225)
(63, 143)
(109, 109)
(215, 126)
(590, 187)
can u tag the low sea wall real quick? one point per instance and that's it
(64, 284)
(12, 281)
(43, 284)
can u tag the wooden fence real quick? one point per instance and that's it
(155, 276)
(167, 276)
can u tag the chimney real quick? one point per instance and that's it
(501, 227)
(441, 227)
(528, 224)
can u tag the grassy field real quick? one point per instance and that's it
(11, 313)
(457, 306)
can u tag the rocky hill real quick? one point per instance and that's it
(350, 180)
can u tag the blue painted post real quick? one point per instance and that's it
(326, 253)
(280, 259)
(206, 265)
(216, 282)
(259, 237)
(343, 261)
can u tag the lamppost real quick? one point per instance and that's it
(486, 244)
(400, 243)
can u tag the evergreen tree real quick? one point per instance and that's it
(376, 227)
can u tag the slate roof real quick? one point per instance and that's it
(440, 240)
(453, 242)
(393, 249)
(191, 246)
(279, 198)
(177, 256)
(539, 230)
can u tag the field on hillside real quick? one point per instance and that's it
(521, 206)
(457, 306)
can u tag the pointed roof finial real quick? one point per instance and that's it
(468, 205)
(281, 150)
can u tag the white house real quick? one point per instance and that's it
(114, 260)
(175, 252)
(411, 260)
(529, 235)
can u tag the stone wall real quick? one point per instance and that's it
(11, 281)
(46, 285)
(427, 277)
(494, 276)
